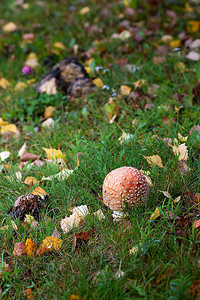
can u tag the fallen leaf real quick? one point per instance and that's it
(166, 194)
(98, 82)
(125, 137)
(4, 83)
(31, 181)
(154, 160)
(174, 44)
(63, 175)
(99, 214)
(182, 138)
(9, 128)
(52, 153)
(2, 122)
(50, 243)
(20, 86)
(56, 233)
(30, 248)
(4, 155)
(68, 223)
(22, 151)
(82, 210)
(28, 156)
(192, 26)
(155, 214)
(197, 223)
(49, 87)
(177, 199)
(139, 83)
(125, 90)
(193, 55)
(84, 10)
(19, 249)
(9, 27)
(180, 67)
(30, 220)
(111, 109)
(39, 191)
(49, 123)
(49, 112)
(32, 61)
(75, 297)
(181, 151)
(182, 167)
(28, 293)
(81, 238)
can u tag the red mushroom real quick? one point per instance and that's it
(125, 184)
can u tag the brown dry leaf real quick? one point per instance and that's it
(52, 153)
(28, 156)
(125, 90)
(155, 214)
(49, 112)
(4, 83)
(28, 293)
(181, 151)
(166, 194)
(154, 160)
(197, 223)
(30, 248)
(81, 238)
(39, 191)
(19, 249)
(98, 82)
(9, 27)
(31, 181)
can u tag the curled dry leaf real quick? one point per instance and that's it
(197, 223)
(39, 191)
(154, 160)
(49, 112)
(125, 90)
(50, 243)
(82, 238)
(68, 223)
(19, 249)
(30, 220)
(166, 194)
(22, 151)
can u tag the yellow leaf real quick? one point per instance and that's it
(59, 45)
(52, 243)
(177, 199)
(174, 44)
(88, 70)
(125, 90)
(20, 86)
(4, 83)
(84, 10)
(30, 248)
(9, 128)
(89, 61)
(98, 82)
(192, 26)
(139, 83)
(3, 123)
(9, 27)
(182, 138)
(31, 181)
(154, 160)
(39, 191)
(30, 220)
(155, 214)
(28, 293)
(181, 151)
(49, 112)
(52, 153)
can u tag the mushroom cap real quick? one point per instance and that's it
(125, 184)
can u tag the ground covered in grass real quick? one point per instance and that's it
(144, 58)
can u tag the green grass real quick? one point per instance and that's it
(165, 266)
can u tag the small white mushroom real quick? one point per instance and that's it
(125, 184)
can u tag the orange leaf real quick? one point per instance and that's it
(30, 248)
